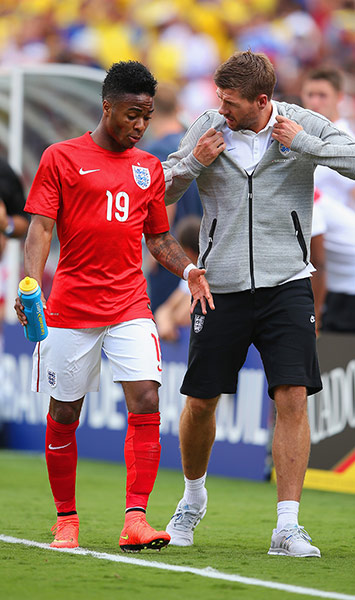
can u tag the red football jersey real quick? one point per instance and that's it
(102, 202)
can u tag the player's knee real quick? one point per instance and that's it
(200, 408)
(149, 401)
(64, 412)
(291, 402)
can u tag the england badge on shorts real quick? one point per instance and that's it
(52, 378)
(198, 323)
(141, 177)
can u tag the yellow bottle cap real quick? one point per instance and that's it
(28, 285)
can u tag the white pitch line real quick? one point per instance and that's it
(207, 572)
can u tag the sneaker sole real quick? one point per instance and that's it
(156, 544)
(281, 552)
(181, 544)
(178, 540)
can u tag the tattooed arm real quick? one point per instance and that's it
(168, 252)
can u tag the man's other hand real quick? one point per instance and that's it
(285, 130)
(209, 146)
(200, 290)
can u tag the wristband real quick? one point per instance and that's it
(187, 270)
(10, 227)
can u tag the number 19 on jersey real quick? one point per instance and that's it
(121, 206)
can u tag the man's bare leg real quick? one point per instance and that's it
(290, 451)
(291, 444)
(197, 434)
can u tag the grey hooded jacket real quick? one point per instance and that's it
(256, 229)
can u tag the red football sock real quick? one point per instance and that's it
(61, 457)
(142, 456)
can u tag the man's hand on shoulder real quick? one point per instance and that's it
(285, 130)
(209, 146)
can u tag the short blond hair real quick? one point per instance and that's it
(249, 73)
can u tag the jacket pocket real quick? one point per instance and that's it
(300, 236)
(210, 242)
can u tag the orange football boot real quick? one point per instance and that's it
(137, 534)
(66, 531)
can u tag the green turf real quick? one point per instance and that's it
(232, 538)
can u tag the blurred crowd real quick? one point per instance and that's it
(184, 40)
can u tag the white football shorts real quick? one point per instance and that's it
(67, 363)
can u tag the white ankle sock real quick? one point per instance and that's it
(195, 491)
(287, 513)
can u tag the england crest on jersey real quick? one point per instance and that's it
(141, 177)
(284, 150)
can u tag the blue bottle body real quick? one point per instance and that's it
(36, 329)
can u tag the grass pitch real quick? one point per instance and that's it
(233, 538)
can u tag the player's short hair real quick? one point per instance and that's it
(130, 77)
(251, 74)
(330, 74)
(187, 232)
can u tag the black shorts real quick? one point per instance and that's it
(279, 321)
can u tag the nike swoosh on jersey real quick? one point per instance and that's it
(82, 172)
(58, 447)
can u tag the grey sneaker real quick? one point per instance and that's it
(182, 524)
(293, 541)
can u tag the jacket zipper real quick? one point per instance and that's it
(251, 256)
(299, 234)
(210, 242)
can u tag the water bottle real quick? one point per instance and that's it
(30, 295)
